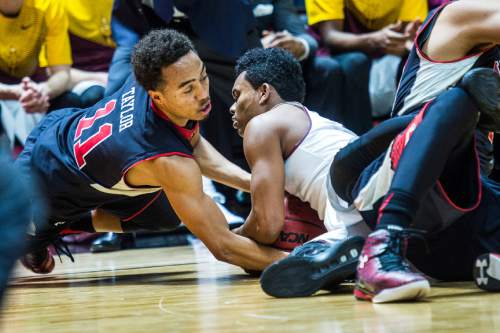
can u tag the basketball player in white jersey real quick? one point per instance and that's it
(290, 148)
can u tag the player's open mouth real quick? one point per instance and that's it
(206, 109)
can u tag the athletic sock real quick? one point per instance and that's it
(82, 225)
(399, 208)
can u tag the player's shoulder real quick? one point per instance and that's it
(280, 117)
(464, 11)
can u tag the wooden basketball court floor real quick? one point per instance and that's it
(184, 289)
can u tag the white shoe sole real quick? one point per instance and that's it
(411, 291)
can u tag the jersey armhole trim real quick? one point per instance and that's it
(305, 135)
(423, 55)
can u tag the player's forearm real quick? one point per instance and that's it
(217, 167)
(246, 253)
(57, 83)
(261, 229)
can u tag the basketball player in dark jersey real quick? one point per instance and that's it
(134, 160)
(428, 178)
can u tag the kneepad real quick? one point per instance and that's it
(302, 224)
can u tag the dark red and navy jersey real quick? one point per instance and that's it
(82, 155)
(424, 79)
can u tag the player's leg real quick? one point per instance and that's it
(150, 212)
(439, 138)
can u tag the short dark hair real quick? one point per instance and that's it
(156, 50)
(276, 67)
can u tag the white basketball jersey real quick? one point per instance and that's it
(307, 168)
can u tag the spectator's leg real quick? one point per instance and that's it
(120, 67)
(324, 81)
(66, 100)
(357, 106)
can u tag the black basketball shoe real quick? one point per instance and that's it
(311, 267)
(487, 272)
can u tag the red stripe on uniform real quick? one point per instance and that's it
(382, 207)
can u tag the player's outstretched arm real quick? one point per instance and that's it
(217, 167)
(265, 156)
(181, 180)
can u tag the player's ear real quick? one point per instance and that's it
(264, 93)
(155, 96)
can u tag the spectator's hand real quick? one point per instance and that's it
(34, 101)
(287, 41)
(411, 30)
(389, 39)
(267, 38)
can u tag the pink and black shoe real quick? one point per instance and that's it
(383, 273)
(487, 272)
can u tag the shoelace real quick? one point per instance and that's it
(41, 242)
(62, 248)
(392, 258)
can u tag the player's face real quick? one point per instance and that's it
(184, 96)
(246, 103)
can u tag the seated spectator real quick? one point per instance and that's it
(376, 28)
(92, 47)
(29, 28)
(280, 26)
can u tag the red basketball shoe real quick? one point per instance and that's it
(383, 274)
(40, 262)
(487, 272)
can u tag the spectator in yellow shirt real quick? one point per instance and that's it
(91, 46)
(29, 28)
(371, 26)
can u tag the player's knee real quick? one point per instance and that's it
(342, 175)
(456, 107)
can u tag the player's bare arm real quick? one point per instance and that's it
(264, 153)
(464, 27)
(217, 167)
(180, 178)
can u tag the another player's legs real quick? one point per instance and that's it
(438, 139)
